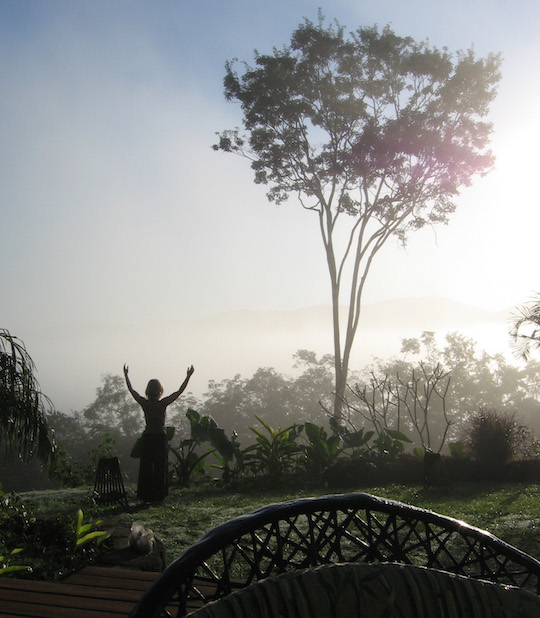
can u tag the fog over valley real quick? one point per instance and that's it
(221, 345)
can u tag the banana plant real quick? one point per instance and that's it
(321, 450)
(187, 463)
(274, 452)
(356, 440)
(188, 460)
(231, 462)
(389, 443)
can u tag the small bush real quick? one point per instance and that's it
(494, 437)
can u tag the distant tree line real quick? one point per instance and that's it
(429, 393)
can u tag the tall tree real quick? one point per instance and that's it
(23, 407)
(372, 132)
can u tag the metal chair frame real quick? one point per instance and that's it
(310, 532)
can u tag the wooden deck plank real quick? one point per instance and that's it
(51, 589)
(29, 610)
(93, 592)
(24, 608)
(60, 604)
(116, 572)
(105, 582)
(38, 598)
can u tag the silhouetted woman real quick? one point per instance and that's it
(153, 483)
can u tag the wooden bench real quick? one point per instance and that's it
(349, 528)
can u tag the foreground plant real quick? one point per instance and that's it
(321, 450)
(7, 567)
(86, 533)
(23, 407)
(274, 452)
(187, 459)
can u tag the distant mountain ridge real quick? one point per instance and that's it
(422, 313)
(223, 344)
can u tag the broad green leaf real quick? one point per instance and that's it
(91, 536)
(397, 435)
(193, 416)
(265, 425)
(313, 432)
(78, 522)
(15, 568)
(333, 442)
(84, 529)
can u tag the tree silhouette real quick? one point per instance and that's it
(373, 133)
(23, 424)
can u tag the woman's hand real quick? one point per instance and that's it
(126, 369)
(190, 371)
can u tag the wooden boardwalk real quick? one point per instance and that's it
(92, 592)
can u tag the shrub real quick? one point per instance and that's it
(494, 437)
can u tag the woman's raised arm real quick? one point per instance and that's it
(174, 396)
(133, 392)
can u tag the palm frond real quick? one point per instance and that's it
(23, 407)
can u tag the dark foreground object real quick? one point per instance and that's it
(350, 528)
(109, 485)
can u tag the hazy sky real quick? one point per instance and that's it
(120, 224)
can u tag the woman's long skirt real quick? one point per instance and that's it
(153, 483)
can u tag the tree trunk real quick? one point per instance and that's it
(340, 380)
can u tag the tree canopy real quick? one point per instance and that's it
(280, 399)
(372, 132)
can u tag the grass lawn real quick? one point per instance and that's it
(509, 511)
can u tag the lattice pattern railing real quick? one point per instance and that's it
(314, 531)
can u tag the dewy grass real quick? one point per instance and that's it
(511, 512)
